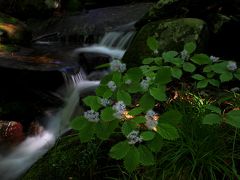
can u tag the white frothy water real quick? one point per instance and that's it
(14, 164)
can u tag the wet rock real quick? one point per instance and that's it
(171, 34)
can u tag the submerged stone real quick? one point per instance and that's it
(171, 35)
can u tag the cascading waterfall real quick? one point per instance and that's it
(15, 163)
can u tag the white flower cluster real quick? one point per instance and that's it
(129, 81)
(184, 55)
(91, 116)
(214, 59)
(145, 83)
(235, 89)
(116, 65)
(151, 122)
(133, 137)
(232, 66)
(111, 85)
(105, 102)
(120, 108)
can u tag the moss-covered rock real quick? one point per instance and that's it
(171, 34)
(13, 31)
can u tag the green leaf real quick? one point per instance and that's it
(201, 59)
(119, 150)
(198, 77)
(189, 67)
(163, 75)
(167, 131)
(220, 68)
(159, 93)
(176, 72)
(117, 77)
(124, 96)
(158, 61)
(147, 135)
(101, 90)
(78, 122)
(233, 118)
(128, 126)
(190, 47)
(148, 60)
(106, 65)
(147, 102)
(152, 43)
(134, 87)
(132, 159)
(135, 111)
(214, 82)
(202, 84)
(135, 74)
(87, 132)
(227, 76)
(213, 108)
(237, 74)
(139, 119)
(105, 129)
(156, 144)
(207, 68)
(212, 119)
(107, 114)
(172, 116)
(169, 55)
(92, 102)
(108, 93)
(146, 156)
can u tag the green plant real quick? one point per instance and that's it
(134, 106)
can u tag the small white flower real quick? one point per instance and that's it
(232, 66)
(111, 85)
(91, 116)
(184, 55)
(155, 51)
(145, 83)
(120, 108)
(151, 122)
(105, 102)
(116, 65)
(235, 89)
(133, 137)
(129, 81)
(214, 59)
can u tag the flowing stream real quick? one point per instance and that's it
(16, 162)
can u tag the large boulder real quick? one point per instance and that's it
(171, 34)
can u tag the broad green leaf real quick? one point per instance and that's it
(106, 65)
(167, 131)
(117, 77)
(172, 116)
(207, 68)
(146, 156)
(148, 60)
(152, 43)
(147, 102)
(210, 75)
(163, 75)
(156, 144)
(177, 61)
(158, 60)
(106, 79)
(201, 59)
(134, 87)
(212, 119)
(101, 90)
(79, 123)
(92, 102)
(119, 150)
(233, 118)
(237, 74)
(108, 93)
(128, 126)
(132, 159)
(135, 111)
(169, 55)
(135, 74)
(190, 47)
(176, 72)
(189, 67)
(159, 93)
(198, 77)
(220, 68)
(202, 84)
(105, 129)
(213, 108)
(124, 96)
(227, 76)
(87, 132)
(214, 82)
(139, 119)
(147, 135)
(107, 114)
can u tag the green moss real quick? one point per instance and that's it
(171, 34)
(8, 48)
